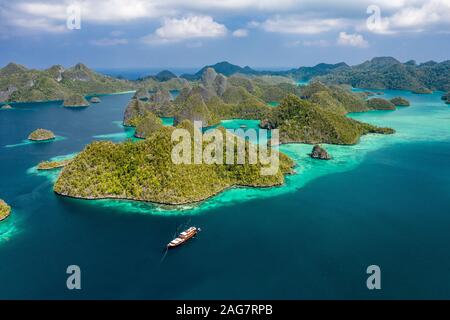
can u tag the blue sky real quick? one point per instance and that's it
(259, 33)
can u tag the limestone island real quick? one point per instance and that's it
(301, 121)
(319, 153)
(5, 210)
(6, 107)
(95, 100)
(380, 104)
(144, 171)
(41, 135)
(400, 102)
(75, 101)
(50, 165)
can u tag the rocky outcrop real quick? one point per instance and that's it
(41, 135)
(75, 101)
(208, 77)
(6, 94)
(95, 100)
(319, 153)
(56, 72)
(195, 109)
(142, 94)
(220, 84)
(134, 110)
(79, 72)
(400, 102)
(6, 107)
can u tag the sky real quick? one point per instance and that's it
(194, 33)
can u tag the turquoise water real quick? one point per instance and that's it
(384, 201)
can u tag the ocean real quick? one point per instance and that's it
(384, 201)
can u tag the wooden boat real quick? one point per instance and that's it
(183, 237)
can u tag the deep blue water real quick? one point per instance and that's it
(391, 210)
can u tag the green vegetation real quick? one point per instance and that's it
(338, 99)
(50, 165)
(144, 170)
(400, 102)
(147, 125)
(388, 73)
(41, 135)
(195, 109)
(303, 122)
(380, 104)
(75, 101)
(5, 210)
(19, 84)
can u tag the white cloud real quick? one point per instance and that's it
(109, 42)
(308, 43)
(315, 43)
(301, 25)
(37, 25)
(240, 33)
(353, 40)
(283, 16)
(191, 27)
(116, 33)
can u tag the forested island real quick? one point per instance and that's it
(144, 171)
(5, 210)
(20, 84)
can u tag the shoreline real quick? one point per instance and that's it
(14, 103)
(173, 204)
